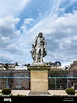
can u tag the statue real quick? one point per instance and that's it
(39, 48)
(33, 52)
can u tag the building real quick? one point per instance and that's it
(15, 79)
(73, 74)
(11, 66)
(73, 66)
(20, 67)
(2, 66)
(55, 65)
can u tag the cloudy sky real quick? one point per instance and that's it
(22, 20)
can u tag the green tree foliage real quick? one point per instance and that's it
(6, 91)
(70, 91)
(57, 73)
(16, 64)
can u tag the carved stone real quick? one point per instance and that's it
(39, 49)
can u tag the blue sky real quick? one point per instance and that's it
(22, 20)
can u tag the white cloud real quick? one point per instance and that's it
(5, 57)
(28, 20)
(8, 35)
(7, 27)
(11, 7)
(61, 33)
(5, 39)
(12, 43)
(58, 26)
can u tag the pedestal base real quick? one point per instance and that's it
(39, 94)
(39, 80)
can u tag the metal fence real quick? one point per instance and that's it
(23, 82)
(57, 83)
(15, 82)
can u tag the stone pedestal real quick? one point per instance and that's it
(39, 80)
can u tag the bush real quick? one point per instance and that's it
(6, 91)
(70, 91)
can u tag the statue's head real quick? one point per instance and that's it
(40, 34)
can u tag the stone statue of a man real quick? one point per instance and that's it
(39, 48)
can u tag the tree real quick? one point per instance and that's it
(16, 64)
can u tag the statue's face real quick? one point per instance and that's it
(40, 35)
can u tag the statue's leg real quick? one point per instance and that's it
(41, 58)
(37, 55)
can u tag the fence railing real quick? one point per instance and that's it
(15, 82)
(23, 82)
(62, 82)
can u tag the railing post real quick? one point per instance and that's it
(18, 83)
(67, 82)
(7, 82)
(55, 83)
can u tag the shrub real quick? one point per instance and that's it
(70, 91)
(6, 91)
